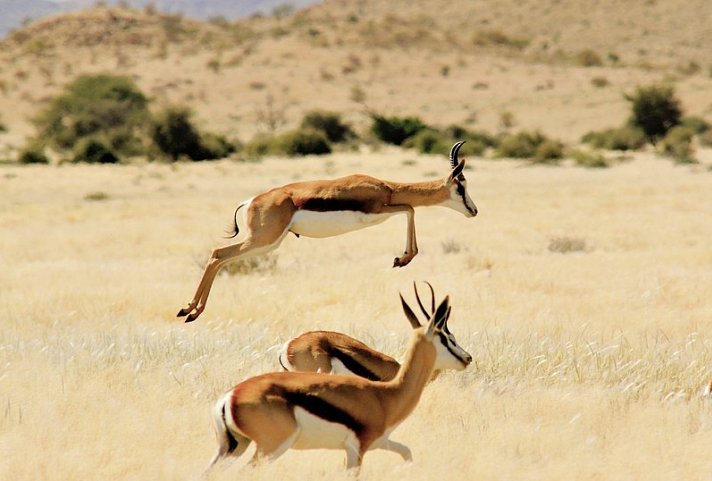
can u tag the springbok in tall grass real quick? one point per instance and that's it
(325, 208)
(337, 353)
(301, 410)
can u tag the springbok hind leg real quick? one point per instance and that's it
(256, 243)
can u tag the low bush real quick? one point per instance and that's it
(677, 145)
(697, 124)
(33, 154)
(330, 123)
(566, 244)
(548, 152)
(433, 141)
(477, 141)
(588, 58)
(395, 130)
(93, 151)
(260, 146)
(304, 141)
(429, 141)
(522, 145)
(627, 137)
(587, 159)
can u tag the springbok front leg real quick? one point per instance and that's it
(411, 246)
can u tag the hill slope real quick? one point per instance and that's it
(559, 67)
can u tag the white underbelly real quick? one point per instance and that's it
(311, 223)
(316, 433)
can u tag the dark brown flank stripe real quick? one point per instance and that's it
(330, 205)
(322, 409)
(353, 365)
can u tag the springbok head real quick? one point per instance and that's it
(455, 357)
(459, 198)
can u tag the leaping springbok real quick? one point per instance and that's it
(301, 410)
(337, 353)
(325, 208)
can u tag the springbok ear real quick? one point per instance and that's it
(457, 171)
(440, 316)
(412, 318)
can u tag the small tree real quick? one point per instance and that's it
(655, 110)
(173, 132)
(93, 105)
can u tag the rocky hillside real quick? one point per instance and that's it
(562, 67)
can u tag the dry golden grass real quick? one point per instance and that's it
(588, 362)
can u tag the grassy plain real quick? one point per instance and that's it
(583, 296)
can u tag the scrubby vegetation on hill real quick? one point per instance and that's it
(103, 118)
(509, 77)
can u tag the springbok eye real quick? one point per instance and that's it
(460, 189)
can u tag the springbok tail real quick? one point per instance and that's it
(235, 229)
(227, 443)
(284, 358)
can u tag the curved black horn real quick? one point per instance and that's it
(432, 299)
(453, 153)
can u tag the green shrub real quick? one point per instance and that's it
(627, 137)
(522, 145)
(93, 105)
(395, 130)
(588, 58)
(304, 141)
(217, 146)
(677, 144)
(33, 154)
(697, 124)
(173, 132)
(565, 244)
(477, 141)
(706, 138)
(588, 159)
(259, 147)
(94, 151)
(429, 141)
(655, 110)
(328, 122)
(433, 141)
(548, 152)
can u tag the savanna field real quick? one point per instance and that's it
(582, 295)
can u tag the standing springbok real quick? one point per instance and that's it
(301, 410)
(325, 208)
(337, 353)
